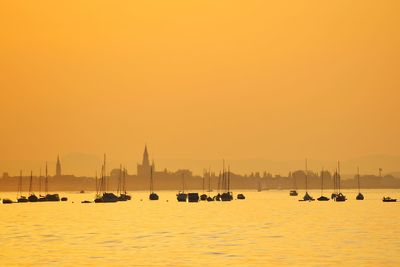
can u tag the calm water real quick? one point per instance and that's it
(268, 228)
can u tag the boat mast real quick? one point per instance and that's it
(338, 176)
(229, 178)
(358, 178)
(151, 180)
(209, 179)
(204, 176)
(30, 184)
(322, 181)
(20, 184)
(46, 182)
(306, 177)
(119, 189)
(40, 180)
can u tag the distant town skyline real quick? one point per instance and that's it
(80, 164)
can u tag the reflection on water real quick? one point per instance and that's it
(268, 228)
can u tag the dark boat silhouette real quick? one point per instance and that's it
(389, 199)
(50, 197)
(227, 195)
(322, 197)
(182, 196)
(20, 197)
(86, 202)
(209, 198)
(65, 199)
(7, 201)
(193, 197)
(359, 196)
(32, 197)
(307, 197)
(102, 196)
(241, 196)
(123, 196)
(203, 196)
(82, 192)
(339, 197)
(152, 196)
(293, 192)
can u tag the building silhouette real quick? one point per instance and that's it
(58, 167)
(143, 170)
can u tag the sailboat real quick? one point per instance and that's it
(293, 192)
(103, 196)
(123, 196)
(227, 195)
(340, 197)
(152, 196)
(20, 197)
(50, 197)
(334, 193)
(203, 196)
(307, 197)
(359, 196)
(218, 196)
(32, 197)
(209, 198)
(182, 196)
(322, 197)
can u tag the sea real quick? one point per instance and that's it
(268, 228)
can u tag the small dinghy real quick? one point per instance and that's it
(241, 196)
(7, 201)
(193, 197)
(389, 199)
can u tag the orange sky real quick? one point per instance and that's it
(198, 80)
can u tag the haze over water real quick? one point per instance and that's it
(268, 228)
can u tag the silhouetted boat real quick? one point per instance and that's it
(123, 196)
(389, 199)
(322, 197)
(203, 196)
(82, 192)
(293, 192)
(240, 196)
(51, 197)
(102, 196)
(209, 199)
(20, 197)
(339, 197)
(106, 198)
(193, 197)
(182, 196)
(32, 197)
(7, 201)
(86, 201)
(152, 196)
(359, 196)
(307, 196)
(217, 197)
(227, 195)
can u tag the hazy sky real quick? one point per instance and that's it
(198, 80)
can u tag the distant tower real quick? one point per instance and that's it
(58, 167)
(143, 170)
